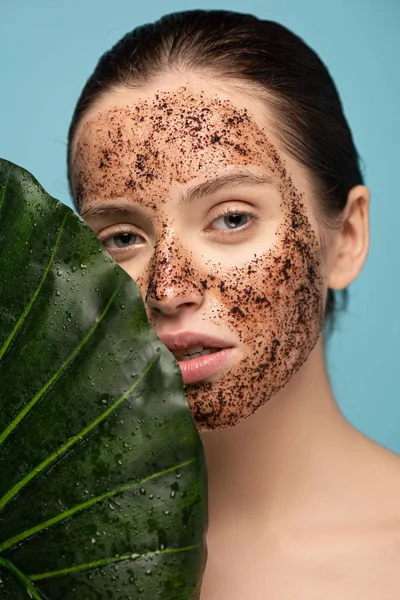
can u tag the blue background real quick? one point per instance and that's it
(49, 48)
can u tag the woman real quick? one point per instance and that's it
(211, 155)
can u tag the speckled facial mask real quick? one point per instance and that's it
(271, 302)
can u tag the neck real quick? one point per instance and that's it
(284, 459)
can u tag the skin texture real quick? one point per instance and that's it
(265, 285)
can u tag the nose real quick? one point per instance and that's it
(174, 285)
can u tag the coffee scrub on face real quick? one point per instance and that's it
(272, 301)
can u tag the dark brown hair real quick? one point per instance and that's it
(278, 65)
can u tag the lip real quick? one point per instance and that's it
(196, 369)
(185, 339)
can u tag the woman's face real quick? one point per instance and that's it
(191, 195)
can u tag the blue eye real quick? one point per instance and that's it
(120, 240)
(233, 220)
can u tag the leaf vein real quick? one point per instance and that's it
(106, 561)
(23, 579)
(22, 414)
(84, 505)
(3, 195)
(71, 442)
(22, 318)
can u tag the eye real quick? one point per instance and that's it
(120, 239)
(234, 219)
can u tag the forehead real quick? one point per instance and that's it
(179, 111)
(170, 136)
(135, 145)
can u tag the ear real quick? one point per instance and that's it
(351, 241)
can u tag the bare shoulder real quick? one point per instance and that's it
(374, 497)
(382, 475)
(347, 548)
(364, 551)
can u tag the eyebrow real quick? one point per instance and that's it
(206, 188)
(108, 208)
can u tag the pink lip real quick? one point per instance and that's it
(199, 368)
(185, 339)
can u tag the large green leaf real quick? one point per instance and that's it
(102, 472)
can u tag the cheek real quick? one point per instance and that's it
(274, 305)
(276, 296)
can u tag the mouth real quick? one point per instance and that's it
(199, 354)
(193, 352)
(198, 363)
